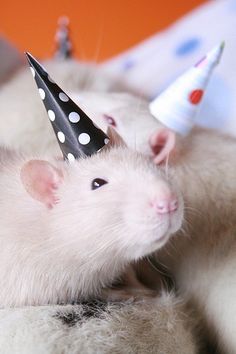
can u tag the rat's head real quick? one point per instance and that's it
(131, 118)
(115, 205)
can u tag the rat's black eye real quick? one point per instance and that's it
(97, 183)
(111, 121)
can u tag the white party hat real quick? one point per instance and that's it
(177, 106)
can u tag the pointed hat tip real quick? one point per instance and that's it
(27, 54)
(30, 60)
(222, 46)
(35, 65)
(220, 49)
(29, 57)
(217, 52)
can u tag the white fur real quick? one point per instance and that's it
(161, 326)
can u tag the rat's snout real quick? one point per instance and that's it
(165, 205)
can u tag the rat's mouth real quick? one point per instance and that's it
(162, 236)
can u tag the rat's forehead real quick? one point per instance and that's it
(116, 164)
(106, 157)
(119, 157)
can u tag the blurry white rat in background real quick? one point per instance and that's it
(204, 164)
(204, 265)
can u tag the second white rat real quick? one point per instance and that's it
(204, 262)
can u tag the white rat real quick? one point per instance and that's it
(73, 228)
(26, 128)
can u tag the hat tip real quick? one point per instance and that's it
(220, 51)
(222, 45)
(28, 56)
(216, 53)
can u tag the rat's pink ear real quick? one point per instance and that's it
(41, 180)
(162, 143)
(115, 138)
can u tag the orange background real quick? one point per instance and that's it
(100, 28)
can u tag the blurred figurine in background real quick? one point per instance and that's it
(64, 48)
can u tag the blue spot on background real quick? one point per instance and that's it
(188, 46)
(128, 64)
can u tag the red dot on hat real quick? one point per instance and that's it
(196, 96)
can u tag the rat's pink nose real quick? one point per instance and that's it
(165, 206)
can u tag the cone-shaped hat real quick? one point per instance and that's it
(76, 133)
(64, 49)
(177, 106)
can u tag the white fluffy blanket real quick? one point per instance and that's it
(158, 327)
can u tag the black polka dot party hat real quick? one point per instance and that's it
(64, 49)
(76, 133)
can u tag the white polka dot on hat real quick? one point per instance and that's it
(42, 93)
(50, 79)
(74, 117)
(33, 71)
(84, 138)
(63, 97)
(61, 137)
(71, 157)
(51, 115)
